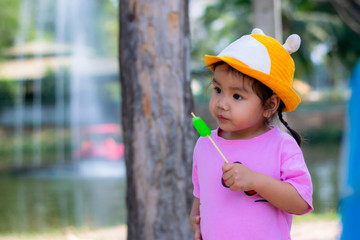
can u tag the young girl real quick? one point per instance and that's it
(266, 180)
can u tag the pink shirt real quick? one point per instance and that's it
(229, 215)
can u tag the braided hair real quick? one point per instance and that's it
(295, 135)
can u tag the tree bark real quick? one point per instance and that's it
(267, 16)
(156, 104)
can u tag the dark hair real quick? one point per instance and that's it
(264, 93)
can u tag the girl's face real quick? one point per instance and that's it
(235, 106)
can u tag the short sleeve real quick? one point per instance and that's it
(295, 172)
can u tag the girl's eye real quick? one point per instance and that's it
(237, 96)
(217, 89)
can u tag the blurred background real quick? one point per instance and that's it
(60, 140)
(61, 144)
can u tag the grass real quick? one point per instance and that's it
(32, 236)
(310, 217)
(111, 233)
(119, 232)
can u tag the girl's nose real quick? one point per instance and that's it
(222, 104)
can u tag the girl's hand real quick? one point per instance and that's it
(195, 224)
(238, 177)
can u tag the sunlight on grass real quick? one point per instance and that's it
(331, 215)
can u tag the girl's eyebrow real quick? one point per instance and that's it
(215, 82)
(240, 89)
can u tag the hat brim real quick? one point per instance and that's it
(285, 92)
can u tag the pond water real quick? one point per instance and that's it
(323, 164)
(54, 199)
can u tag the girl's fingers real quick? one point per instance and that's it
(226, 167)
(228, 180)
(227, 173)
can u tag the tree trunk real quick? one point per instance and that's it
(267, 16)
(156, 104)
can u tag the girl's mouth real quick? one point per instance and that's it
(222, 118)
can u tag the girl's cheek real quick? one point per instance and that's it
(212, 106)
(212, 102)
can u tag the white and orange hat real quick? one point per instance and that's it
(265, 59)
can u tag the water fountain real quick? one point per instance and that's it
(20, 40)
(86, 185)
(88, 70)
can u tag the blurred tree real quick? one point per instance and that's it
(110, 26)
(327, 42)
(8, 22)
(156, 105)
(349, 12)
(221, 23)
(267, 16)
(7, 93)
(10, 13)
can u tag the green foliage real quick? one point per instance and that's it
(316, 22)
(110, 92)
(7, 93)
(8, 90)
(105, 24)
(327, 216)
(109, 25)
(48, 141)
(49, 87)
(220, 24)
(8, 22)
(325, 135)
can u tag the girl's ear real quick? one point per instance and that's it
(271, 106)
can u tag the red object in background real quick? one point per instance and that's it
(101, 141)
